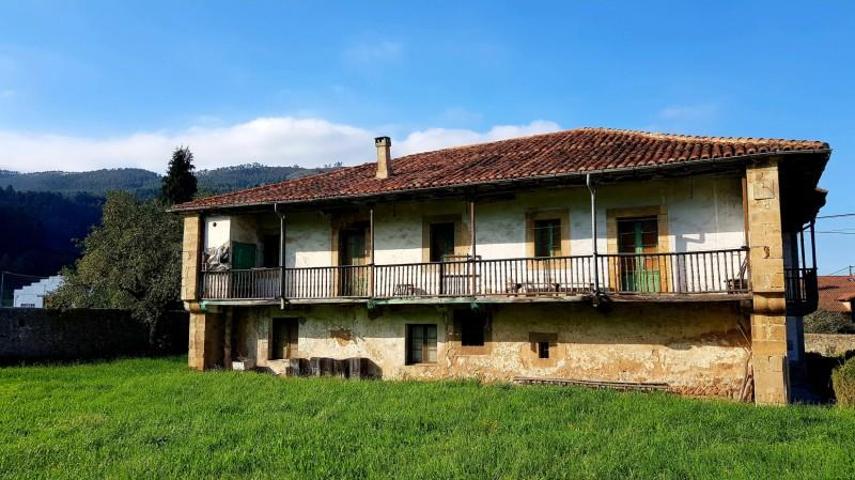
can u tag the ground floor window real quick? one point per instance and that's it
(543, 344)
(471, 326)
(421, 344)
(543, 349)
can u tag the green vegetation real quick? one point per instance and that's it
(131, 261)
(843, 379)
(179, 184)
(146, 184)
(154, 418)
(822, 321)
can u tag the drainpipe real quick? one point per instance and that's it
(371, 239)
(591, 188)
(281, 216)
(473, 241)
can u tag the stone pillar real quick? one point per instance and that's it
(191, 250)
(207, 339)
(769, 313)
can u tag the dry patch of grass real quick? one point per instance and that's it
(153, 418)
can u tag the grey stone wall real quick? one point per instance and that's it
(29, 334)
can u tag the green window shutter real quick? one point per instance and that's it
(243, 255)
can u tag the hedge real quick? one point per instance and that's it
(843, 379)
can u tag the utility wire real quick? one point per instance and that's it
(838, 271)
(837, 215)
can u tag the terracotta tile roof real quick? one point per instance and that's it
(553, 154)
(833, 290)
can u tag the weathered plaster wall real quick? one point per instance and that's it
(308, 237)
(703, 213)
(697, 349)
(217, 231)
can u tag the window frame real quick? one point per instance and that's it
(553, 237)
(425, 345)
(562, 215)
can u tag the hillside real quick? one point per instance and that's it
(144, 183)
(43, 214)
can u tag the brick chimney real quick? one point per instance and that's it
(384, 157)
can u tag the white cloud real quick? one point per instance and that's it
(308, 142)
(435, 138)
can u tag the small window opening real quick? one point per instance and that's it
(543, 349)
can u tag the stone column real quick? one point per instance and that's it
(769, 313)
(191, 250)
(207, 339)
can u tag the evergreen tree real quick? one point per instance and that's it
(179, 184)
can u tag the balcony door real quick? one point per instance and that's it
(352, 258)
(441, 251)
(639, 273)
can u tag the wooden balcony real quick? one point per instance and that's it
(721, 274)
(802, 291)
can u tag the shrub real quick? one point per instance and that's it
(843, 380)
(827, 322)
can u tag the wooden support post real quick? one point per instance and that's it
(474, 241)
(371, 241)
(282, 257)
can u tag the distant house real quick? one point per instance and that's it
(33, 295)
(836, 293)
(589, 255)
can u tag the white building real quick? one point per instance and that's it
(33, 295)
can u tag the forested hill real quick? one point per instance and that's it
(144, 183)
(42, 214)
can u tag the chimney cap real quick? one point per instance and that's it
(382, 141)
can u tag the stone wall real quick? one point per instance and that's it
(697, 349)
(30, 334)
(830, 344)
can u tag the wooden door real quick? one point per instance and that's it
(284, 335)
(441, 249)
(639, 273)
(353, 255)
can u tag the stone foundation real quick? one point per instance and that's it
(697, 349)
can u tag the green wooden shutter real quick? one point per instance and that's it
(243, 255)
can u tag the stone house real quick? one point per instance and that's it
(588, 255)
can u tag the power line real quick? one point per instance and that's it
(837, 215)
(838, 271)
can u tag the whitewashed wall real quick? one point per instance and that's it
(704, 213)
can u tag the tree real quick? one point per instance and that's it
(132, 260)
(179, 184)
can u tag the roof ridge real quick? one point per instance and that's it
(563, 152)
(682, 136)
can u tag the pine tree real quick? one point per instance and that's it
(179, 184)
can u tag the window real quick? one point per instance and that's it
(544, 345)
(441, 240)
(471, 326)
(543, 349)
(421, 344)
(547, 238)
(638, 235)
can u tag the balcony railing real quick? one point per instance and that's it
(801, 289)
(710, 272)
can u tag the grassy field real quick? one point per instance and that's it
(153, 418)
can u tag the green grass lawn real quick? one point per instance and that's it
(154, 418)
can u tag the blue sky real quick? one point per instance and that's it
(109, 84)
